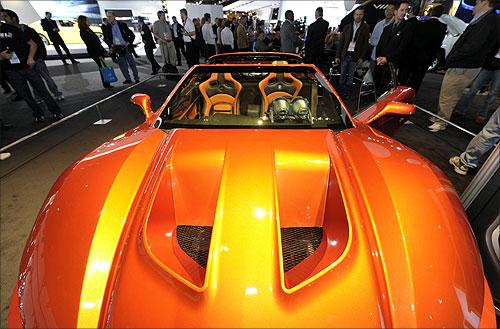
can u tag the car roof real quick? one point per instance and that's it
(255, 57)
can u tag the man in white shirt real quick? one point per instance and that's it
(377, 32)
(189, 33)
(163, 33)
(227, 38)
(208, 36)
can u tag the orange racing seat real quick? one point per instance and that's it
(220, 93)
(278, 85)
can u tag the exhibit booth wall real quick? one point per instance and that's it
(30, 11)
(198, 11)
(333, 11)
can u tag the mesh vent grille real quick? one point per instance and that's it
(195, 241)
(298, 243)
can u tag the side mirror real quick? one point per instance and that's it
(387, 118)
(144, 102)
(393, 109)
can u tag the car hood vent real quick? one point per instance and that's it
(298, 243)
(195, 242)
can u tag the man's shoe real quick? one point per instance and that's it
(126, 82)
(6, 126)
(458, 166)
(137, 80)
(4, 155)
(40, 119)
(60, 97)
(57, 117)
(480, 120)
(437, 126)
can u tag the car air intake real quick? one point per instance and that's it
(195, 242)
(298, 243)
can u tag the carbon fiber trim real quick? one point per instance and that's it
(195, 241)
(298, 243)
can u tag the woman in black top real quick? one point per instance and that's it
(93, 43)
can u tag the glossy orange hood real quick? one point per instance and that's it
(248, 185)
(386, 257)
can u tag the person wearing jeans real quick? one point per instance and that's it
(478, 146)
(353, 48)
(489, 73)
(17, 53)
(11, 18)
(118, 37)
(43, 71)
(125, 60)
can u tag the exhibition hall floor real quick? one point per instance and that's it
(26, 177)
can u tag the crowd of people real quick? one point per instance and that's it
(398, 43)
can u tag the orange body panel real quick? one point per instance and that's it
(397, 250)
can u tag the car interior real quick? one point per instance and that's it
(274, 96)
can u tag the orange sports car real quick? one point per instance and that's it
(253, 198)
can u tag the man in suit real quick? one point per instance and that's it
(149, 44)
(423, 49)
(315, 40)
(241, 35)
(391, 47)
(50, 26)
(289, 38)
(353, 48)
(118, 37)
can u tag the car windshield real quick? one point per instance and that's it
(260, 96)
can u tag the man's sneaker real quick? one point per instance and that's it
(437, 126)
(457, 164)
(40, 119)
(126, 82)
(137, 80)
(60, 97)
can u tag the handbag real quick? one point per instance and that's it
(107, 72)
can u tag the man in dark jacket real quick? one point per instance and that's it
(353, 48)
(50, 26)
(149, 44)
(315, 40)
(40, 55)
(466, 58)
(391, 47)
(17, 54)
(177, 29)
(423, 49)
(118, 37)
